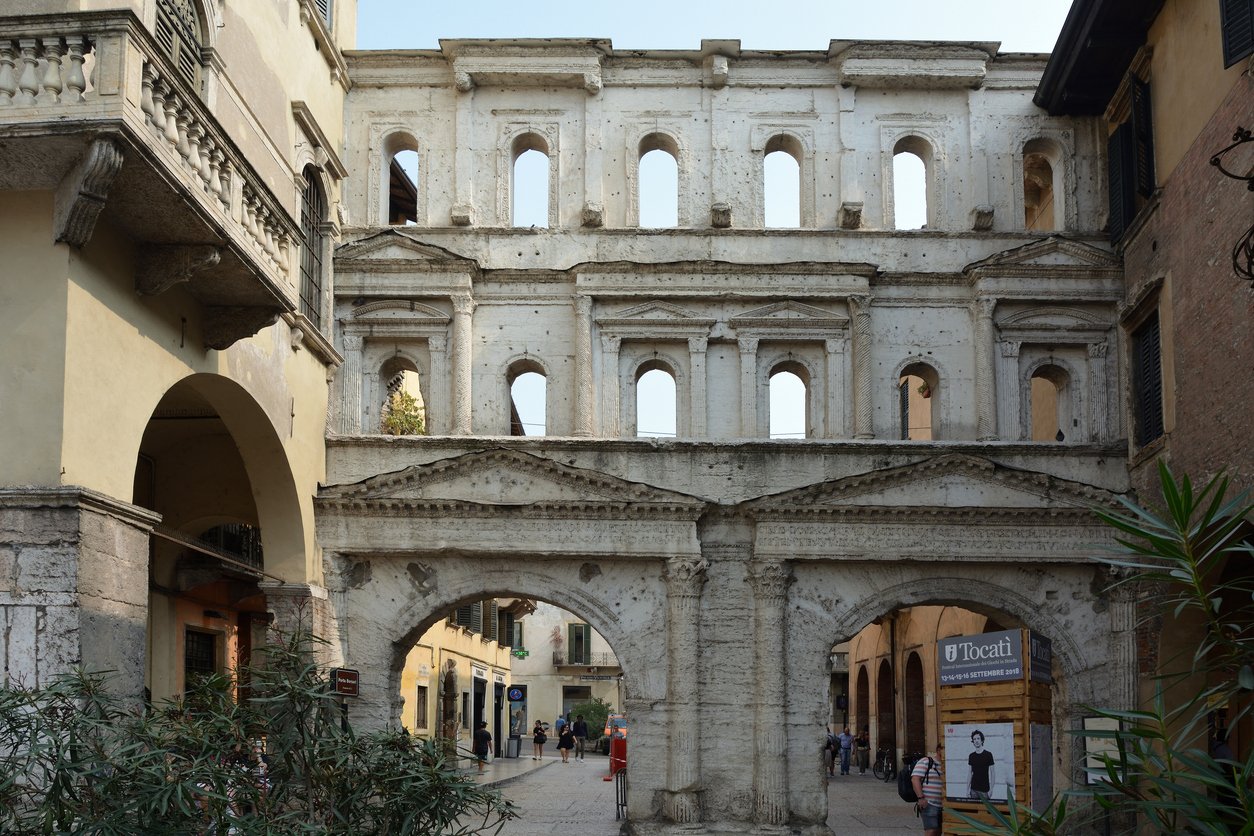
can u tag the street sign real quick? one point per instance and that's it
(345, 682)
(516, 695)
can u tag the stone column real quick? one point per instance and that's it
(698, 388)
(583, 366)
(1099, 404)
(685, 576)
(863, 425)
(350, 386)
(985, 369)
(748, 386)
(610, 409)
(770, 581)
(437, 387)
(463, 307)
(1123, 627)
(1013, 405)
(835, 381)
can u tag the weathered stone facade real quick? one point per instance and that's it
(722, 566)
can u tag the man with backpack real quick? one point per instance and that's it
(929, 788)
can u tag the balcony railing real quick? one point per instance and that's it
(590, 660)
(92, 95)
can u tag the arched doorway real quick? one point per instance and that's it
(862, 699)
(885, 731)
(915, 700)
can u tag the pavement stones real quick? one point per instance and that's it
(573, 800)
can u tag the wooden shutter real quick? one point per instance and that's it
(1237, 26)
(476, 617)
(507, 629)
(1120, 153)
(324, 9)
(491, 630)
(580, 640)
(1147, 382)
(1143, 137)
(463, 615)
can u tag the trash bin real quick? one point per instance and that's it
(618, 754)
(512, 745)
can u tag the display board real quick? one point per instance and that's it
(996, 720)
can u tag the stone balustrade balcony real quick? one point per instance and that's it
(92, 109)
(562, 659)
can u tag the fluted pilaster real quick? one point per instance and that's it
(985, 369)
(697, 396)
(350, 386)
(770, 581)
(860, 307)
(748, 386)
(463, 308)
(610, 383)
(685, 577)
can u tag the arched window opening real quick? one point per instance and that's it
(911, 156)
(1049, 385)
(916, 721)
(530, 186)
(403, 188)
(179, 34)
(528, 389)
(403, 411)
(789, 402)
(1040, 164)
(312, 215)
(781, 183)
(885, 715)
(659, 182)
(655, 402)
(917, 391)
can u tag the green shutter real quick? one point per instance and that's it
(463, 615)
(1237, 27)
(493, 612)
(1121, 182)
(1147, 382)
(1143, 137)
(476, 617)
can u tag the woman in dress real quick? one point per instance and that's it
(538, 738)
(566, 742)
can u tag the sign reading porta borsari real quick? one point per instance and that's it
(345, 682)
(988, 657)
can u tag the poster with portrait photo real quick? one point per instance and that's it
(979, 761)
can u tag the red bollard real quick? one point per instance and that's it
(618, 756)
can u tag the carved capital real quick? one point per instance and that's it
(161, 268)
(463, 305)
(82, 193)
(721, 216)
(1097, 350)
(437, 343)
(698, 345)
(686, 575)
(225, 325)
(984, 306)
(1009, 348)
(835, 346)
(463, 81)
(611, 344)
(982, 218)
(593, 215)
(353, 342)
(851, 214)
(748, 345)
(770, 579)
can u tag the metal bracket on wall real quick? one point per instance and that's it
(1243, 250)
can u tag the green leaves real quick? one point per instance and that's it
(74, 760)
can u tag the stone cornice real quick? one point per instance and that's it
(73, 496)
(445, 509)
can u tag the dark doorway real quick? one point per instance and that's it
(886, 717)
(862, 714)
(478, 701)
(916, 723)
(498, 710)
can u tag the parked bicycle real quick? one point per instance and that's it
(884, 767)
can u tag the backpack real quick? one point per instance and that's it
(905, 784)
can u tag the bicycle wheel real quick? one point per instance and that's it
(878, 769)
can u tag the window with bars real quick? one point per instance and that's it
(312, 212)
(1237, 26)
(1147, 382)
(178, 33)
(200, 655)
(421, 720)
(1130, 154)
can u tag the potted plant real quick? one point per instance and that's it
(925, 390)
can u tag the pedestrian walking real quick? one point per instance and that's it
(862, 750)
(482, 744)
(929, 787)
(829, 753)
(581, 736)
(566, 741)
(845, 740)
(538, 739)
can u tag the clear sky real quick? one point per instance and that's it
(681, 24)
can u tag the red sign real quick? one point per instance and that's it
(345, 682)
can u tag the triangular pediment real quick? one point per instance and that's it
(1051, 253)
(655, 311)
(504, 477)
(394, 245)
(1054, 318)
(398, 310)
(951, 481)
(789, 311)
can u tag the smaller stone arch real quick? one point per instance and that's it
(517, 139)
(666, 138)
(798, 146)
(920, 384)
(924, 144)
(515, 367)
(1057, 149)
(1068, 401)
(804, 369)
(637, 367)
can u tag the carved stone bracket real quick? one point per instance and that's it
(161, 268)
(82, 193)
(982, 218)
(463, 214)
(226, 325)
(593, 215)
(721, 216)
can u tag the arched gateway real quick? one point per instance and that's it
(721, 611)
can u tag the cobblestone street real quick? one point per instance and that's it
(573, 800)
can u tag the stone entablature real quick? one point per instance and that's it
(963, 108)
